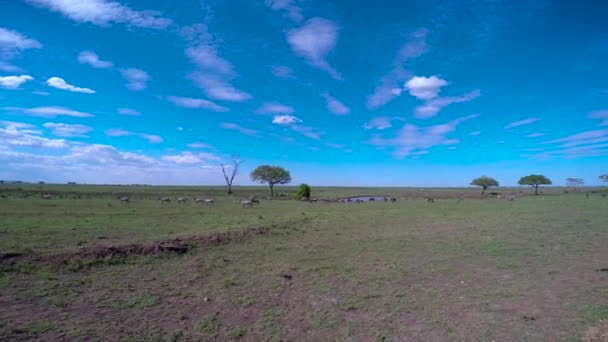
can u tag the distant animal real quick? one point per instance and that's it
(47, 197)
(385, 199)
(124, 199)
(604, 195)
(371, 199)
(430, 200)
(254, 200)
(460, 199)
(349, 200)
(359, 201)
(182, 200)
(393, 199)
(511, 197)
(198, 200)
(247, 204)
(209, 201)
(165, 200)
(499, 196)
(587, 194)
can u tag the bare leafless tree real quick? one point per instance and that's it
(230, 174)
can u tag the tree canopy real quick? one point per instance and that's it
(484, 182)
(604, 178)
(303, 192)
(271, 175)
(534, 181)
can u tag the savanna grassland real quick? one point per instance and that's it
(83, 266)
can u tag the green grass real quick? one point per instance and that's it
(404, 271)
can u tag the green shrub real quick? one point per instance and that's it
(303, 192)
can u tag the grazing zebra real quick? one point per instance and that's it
(511, 197)
(124, 199)
(182, 200)
(247, 204)
(165, 200)
(47, 197)
(430, 200)
(198, 200)
(209, 201)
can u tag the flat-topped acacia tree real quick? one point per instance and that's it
(534, 181)
(604, 178)
(271, 175)
(484, 182)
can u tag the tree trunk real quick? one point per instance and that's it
(271, 189)
(536, 189)
(483, 192)
(229, 189)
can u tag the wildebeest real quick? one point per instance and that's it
(254, 199)
(124, 199)
(372, 199)
(182, 200)
(393, 199)
(165, 200)
(430, 200)
(359, 201)
(247, 204)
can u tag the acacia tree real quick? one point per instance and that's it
(229, 175)
(575, 182)
(604, 178)
(485, 182)
(534, 181)
(271, 175)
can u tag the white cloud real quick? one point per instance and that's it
(68, 130)
(292, 11)
(48, 111)
(285, 120)
(41, 93)
(19, 134)
(214, 74)
(105, 155)
(198, 145)
(119, 132)
(7, 67)
(191, 158)
(521, 122)
(309, 132)
(104, 13)
(601, 115)
(240, 129)
(281, 71)
(584, 138)
(13, 42)
(475, 133)
(274, 108)
(314, 41)
(380, 123)
(137, 78)
(91, 58)
(188, 102)
(412, 139)
(425, 88)
(334, 106)
(414, 47)
(60, 83)
(128, 111)
(431, 107)
(535, 135)
(14, 82)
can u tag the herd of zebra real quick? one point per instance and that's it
(248, 203)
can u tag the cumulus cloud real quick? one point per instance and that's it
(425, 88)
(415, 46)
(136, 78)
(285, 120)
(119, 132)
(521, 123)
(91, 58)
(431, 107)
(600, 115)
(214, 74)
(19, 134)
(188, 102)
(14, 82)
(104, 13)
(291, 11)
(128, 111)
(334, 106)
(60, 83)
(48, 111)
(281, 71)
(274, 108)
(68, 130)
(314, 41)
(380, 123)
(191, 158)
(412, 139)
(240, 129)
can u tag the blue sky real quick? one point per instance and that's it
(411, 93)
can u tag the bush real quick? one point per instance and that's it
(303, 192)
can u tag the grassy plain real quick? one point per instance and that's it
(534, 269)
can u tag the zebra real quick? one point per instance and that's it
(165, 200)
(182, 200)
(247, 204)
(198, 200)
(209, 201)
(254, 200)
(430, 200)
(124, 199)
(47, 197)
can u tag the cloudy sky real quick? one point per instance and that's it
(339, 92)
